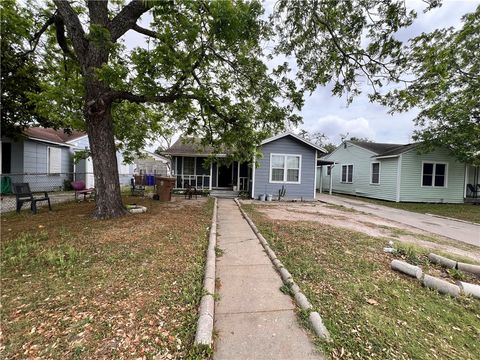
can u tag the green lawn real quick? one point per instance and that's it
(370, 310)
(74, 287)
(467, 212)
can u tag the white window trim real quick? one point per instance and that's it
(341, 170)
(379, 172)
(445, 185)
(285, 170)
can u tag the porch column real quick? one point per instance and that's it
(331, 179)
(211, 176)
(238, 175)
(321, 179)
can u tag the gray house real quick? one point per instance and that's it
(397, 172)
(43, 157)
(288, 161)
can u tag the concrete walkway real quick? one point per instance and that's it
(253, 318)
(457, 230)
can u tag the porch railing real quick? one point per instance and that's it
(243, 186)
(196, 181)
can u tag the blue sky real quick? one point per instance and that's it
(331, 115)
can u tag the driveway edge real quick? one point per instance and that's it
(300, 299)
(206, 309)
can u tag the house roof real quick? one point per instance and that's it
(189, 146)
(384, 149)
(377, 148)
(192, 146)
(52, 135)
(398, 150)
(299, 138)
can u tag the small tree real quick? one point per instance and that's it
(445, 66)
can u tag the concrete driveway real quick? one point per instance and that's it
(456, 230)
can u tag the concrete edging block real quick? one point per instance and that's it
(204, 332)
(442, 286)
(207, 305)
(470, 289)
(318, 326)
(300, 299)
(470, 268)
(206, 310)
(406, 268)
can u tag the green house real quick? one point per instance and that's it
(397, 172)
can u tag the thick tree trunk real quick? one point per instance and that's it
(102, 146)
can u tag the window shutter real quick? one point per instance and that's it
(54, 160)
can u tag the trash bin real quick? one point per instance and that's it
(6, 185)
(150, 180)
(139, 179)
(165, 186)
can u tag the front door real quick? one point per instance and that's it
(225, 176)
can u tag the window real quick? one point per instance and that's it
(434, 174)
(285, 168)
(347, 174)
(54, 160)
(375, 173)
(329, 170)
(6, 158)
(188, 166)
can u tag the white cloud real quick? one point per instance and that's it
(334, 126)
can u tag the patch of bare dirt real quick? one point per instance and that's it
(365, 223)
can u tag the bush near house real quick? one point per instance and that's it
(74, 287)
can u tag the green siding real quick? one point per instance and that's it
(361, 160)
(411, 182)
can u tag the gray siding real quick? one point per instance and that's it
(362, 160)
(291, 146)
(81, 143)
(35, 159)
(17, 158)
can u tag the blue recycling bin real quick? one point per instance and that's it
(150, 180)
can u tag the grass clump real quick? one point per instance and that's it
(31, 252)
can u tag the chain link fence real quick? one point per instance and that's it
(58, 186)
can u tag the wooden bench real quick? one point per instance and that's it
(80, 189)
(23, 194)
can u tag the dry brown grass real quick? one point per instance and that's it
(74, 287)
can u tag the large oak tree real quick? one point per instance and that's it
(202, 69)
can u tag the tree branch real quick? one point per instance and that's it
(144, 31)
(74, 28)
(115, 96)
(127, 18)
(36, 37)
(98, 11)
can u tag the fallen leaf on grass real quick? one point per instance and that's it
(372, 302)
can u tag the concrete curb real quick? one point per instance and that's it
(300, 299)
(206, 310)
